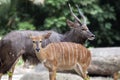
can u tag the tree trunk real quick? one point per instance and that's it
(105, 61)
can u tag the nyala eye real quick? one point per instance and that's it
(83, 29)
(40, 41)
(33, 41)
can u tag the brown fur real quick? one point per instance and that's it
(63, 56)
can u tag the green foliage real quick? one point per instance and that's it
(25, 26)
(52, 23)
(102, 17)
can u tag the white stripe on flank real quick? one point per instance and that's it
(54, 51)
(58, 46)
(62, 52)
(51, 55)
(68, 48)
(76, 52)
(81, 53)
(85, 53)
(72, 58)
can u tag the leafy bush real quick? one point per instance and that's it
(25, 26)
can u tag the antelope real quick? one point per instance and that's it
(78, 33)
(59, 56)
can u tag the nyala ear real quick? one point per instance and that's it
(46, 36)
(71, 24)
(30, 36)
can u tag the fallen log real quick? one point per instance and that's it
(105, 61)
